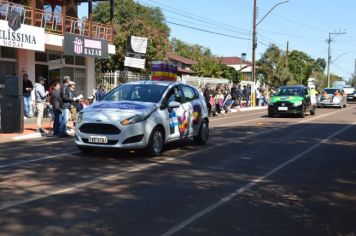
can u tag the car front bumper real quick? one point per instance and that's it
(133, 136)
(329, 104)
(274, 109)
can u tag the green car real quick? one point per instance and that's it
(291, 100)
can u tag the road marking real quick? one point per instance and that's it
(248, 186)
(37, 159)
(146, 166)
(236, 116)
(37, 145)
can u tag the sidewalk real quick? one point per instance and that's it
(29, 131)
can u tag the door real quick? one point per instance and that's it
(177, 117)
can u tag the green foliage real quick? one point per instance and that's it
(208, 64)
(133, 19)
(273, 68)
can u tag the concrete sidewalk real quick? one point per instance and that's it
(29, 131)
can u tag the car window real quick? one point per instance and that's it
(174, 95)
(289, 91)
(189, 93)
(136, 92)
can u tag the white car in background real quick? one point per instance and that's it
(143, 115)
(332, 97)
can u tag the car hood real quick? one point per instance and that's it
(107, 110)
(291, 99)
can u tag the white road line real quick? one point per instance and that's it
(248, 186)
(37, 159)
(235, 116)
(146, 166)
(37, 145)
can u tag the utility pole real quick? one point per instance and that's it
(287, 53)
(329, 40)
(254, 41)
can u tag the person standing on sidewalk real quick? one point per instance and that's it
(41, 98)
(100, 93)
(56, 102)
(27, 88)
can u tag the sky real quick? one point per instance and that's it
(306, 24)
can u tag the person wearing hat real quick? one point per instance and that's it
(40, 98)
(67, 100)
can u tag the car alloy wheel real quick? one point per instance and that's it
(157, 141)
(203, 135)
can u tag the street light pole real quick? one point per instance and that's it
(329, 54)
(254, 34)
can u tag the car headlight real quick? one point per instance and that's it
(298, 103)
(132, 120)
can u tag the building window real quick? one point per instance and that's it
(41, 56)
(6, 52)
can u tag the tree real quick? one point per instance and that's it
(133, 19)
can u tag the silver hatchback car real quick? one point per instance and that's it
(143, 115)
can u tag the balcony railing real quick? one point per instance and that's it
(53, 22)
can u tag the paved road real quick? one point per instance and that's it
(256, 176)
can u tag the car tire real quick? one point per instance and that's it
(86, 150)
(270, 114)
(155, 143)
(203, 134)
(302, 113)
(313, 111)
(345, 105)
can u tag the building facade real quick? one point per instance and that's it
(243, 66)
(46, 38)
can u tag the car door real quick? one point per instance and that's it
(191, 106)
(175, 116)
(307, 98)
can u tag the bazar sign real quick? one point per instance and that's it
(24, 36)
(76, 45)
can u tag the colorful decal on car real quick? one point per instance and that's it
(196, 114)
(121, 106)
(173, 122)
(183, 123)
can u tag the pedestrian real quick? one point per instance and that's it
(100, 93)
(74, 103)
(247, 94)
(40, 98)
(56, 102)
(66, 104)
(258, 97)
(233, 94)
(219, 101)
(27, 88)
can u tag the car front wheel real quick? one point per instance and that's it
(312, 112)
(155, 143)
(203, 135)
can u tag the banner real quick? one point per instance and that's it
(136, 52)
(77, 45)
(21, 36)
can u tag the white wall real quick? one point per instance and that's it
(26, 59)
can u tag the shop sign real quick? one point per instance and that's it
(77, 45)
(136, 48)
(15, 35)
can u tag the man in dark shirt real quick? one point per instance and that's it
(56, 102)
(27, 88)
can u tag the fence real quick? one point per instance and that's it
(202, 81)
(115, 78)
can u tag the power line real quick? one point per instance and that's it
(206, 31)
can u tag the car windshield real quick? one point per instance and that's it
(289, 91)
(331, 91)
(136, 92)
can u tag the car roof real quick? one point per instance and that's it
(157, 82)
(294, 86)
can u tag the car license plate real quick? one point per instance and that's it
(349, 97)
(98, 139)
(282, 108)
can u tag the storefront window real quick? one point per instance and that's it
(6, 52)
(80, 61)
(41, 56)
(69, 60)
(55, 57)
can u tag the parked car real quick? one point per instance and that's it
(291, 100)
(332, 97)
(349, 93)
(143, 115)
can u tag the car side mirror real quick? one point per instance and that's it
(173, 105)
